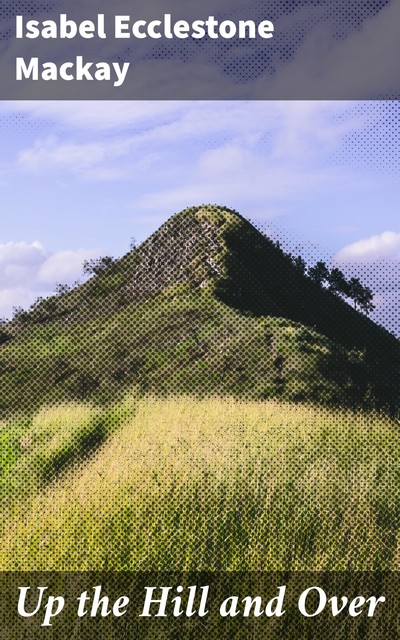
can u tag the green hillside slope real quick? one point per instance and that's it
(206, 305)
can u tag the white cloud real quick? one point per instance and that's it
(233, 152)
(50, 154)
(17, 297)
(64, 266)
(169, 120)
(28, 270)
(157, 144)
(95, 115)
(20, 261)
(241, 176)
(16, 250)
(384, 246)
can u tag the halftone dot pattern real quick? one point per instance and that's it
(22, 126)
(363, 147)
(382, 275)
(202, 404)
(29, 8)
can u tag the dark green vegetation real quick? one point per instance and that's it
(207, 305)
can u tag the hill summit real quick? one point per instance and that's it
(206, 305)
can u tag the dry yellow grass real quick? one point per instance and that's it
(217, 484)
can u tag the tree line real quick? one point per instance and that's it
(336, 282)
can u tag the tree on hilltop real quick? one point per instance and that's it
(319, 273)
(362, 296)
(337, 282)
(95, 266)
(300, 264)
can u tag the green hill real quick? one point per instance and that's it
(207, 305)
(149, 418)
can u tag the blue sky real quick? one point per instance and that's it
(79, 180)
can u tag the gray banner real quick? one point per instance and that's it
(186, 51)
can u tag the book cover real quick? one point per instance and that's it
(199, 343)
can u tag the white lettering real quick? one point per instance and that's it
(50, 71)
(198, 29)
(122, 27)
(150, 600)
(32, 29)
(22, 71)
(181, 28)
(63, 71)
(121, 72)
(227, 29)
(373, 603)
(265, 29)
(151, 29)
(68, 28)
(19, 27)
(303, 601)
(136, 29)
(248, 25)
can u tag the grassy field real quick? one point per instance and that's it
(218, 484)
